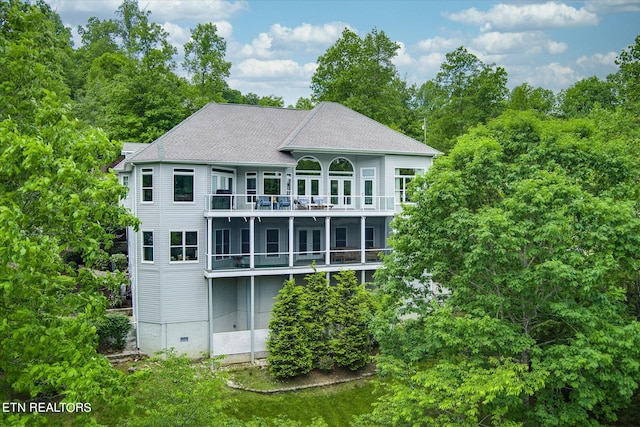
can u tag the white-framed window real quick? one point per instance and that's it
(245, 242)
(222, 179)
(273, 241)
(183, 246)
(147, 185)
(309, 241)
(183, 185)
(341, 237)
(272, 183)
(222, 243)
(368, 185)
(341, 186)
(403, 177)
(125, 181)
(251, 185)
(369, 240)
(147, 246)
(308, 175)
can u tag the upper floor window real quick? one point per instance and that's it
(147, 246)
(183, 185)
(341, 166)
(184, 246)
(308, 174)
(403, 177)
(272, 182)
(251, 184)
(147, 185)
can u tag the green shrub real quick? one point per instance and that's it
(112, 330)
(118, 262)
(101, 263)
(326, 363)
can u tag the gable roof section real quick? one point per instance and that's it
(335, 128)
(227, 133)
(248, 134)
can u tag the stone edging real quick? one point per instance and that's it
(236, 386)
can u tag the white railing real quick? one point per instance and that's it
(226, 201)
(337, 256)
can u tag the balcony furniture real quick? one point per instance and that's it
(302, 202)
(263, 202)
(284, 202)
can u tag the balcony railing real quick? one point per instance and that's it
(226, 201)
(337, 256)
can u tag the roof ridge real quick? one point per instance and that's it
(296, 131)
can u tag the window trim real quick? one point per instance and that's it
(226, 233)
(266, 242)
(146, 172)
(143, 246)
(185, 172)
(335, 237)
(184, 247)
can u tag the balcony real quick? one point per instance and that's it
(224, 201)
(293, 260)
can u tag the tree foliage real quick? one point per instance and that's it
(531, 226)
(579, 99)
(359, 73)
(465, 92)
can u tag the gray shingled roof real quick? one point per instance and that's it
(333, 127)
(245, 134)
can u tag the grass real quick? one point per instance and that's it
(336, 404)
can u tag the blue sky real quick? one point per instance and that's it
(274, 45)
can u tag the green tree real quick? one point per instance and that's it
(54, 198)
(271, 101)
(304, 104)
(318, 305)
(628, 76)
(351, 336)
(359, 73)
(204, 61)
(288, 343)
(531, 227)
(579, 99)
(34, 52)
(465, 92)
(526, 97)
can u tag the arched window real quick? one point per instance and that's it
(341, 182)
(308, 176)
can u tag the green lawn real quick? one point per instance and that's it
(335, 404)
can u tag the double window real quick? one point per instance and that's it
(222, 244)
(184, 246)
(183, 185)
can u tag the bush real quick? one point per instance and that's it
(118, 262)
(325, 363)
(112, 330)
(101, 263)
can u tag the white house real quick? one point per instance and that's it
(237, 199)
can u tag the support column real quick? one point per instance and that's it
(210, 301)
(290, 241)
(252, 242)
(363, 224)
(252, 318)
(327, 239)
(209, 235)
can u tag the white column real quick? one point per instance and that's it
(290, 241)
(327, 239)
(362, 240)
(252, 244)
(252, 320)
(209, 235)
(210, 298)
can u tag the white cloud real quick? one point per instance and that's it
(439, 44)
(598, 60)
(403, 58)
(308, 34)
(202, 10)
(520, 17)
(612, 6)
(276, 68)
(260, 47)
(552, 76)
(556, 48)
